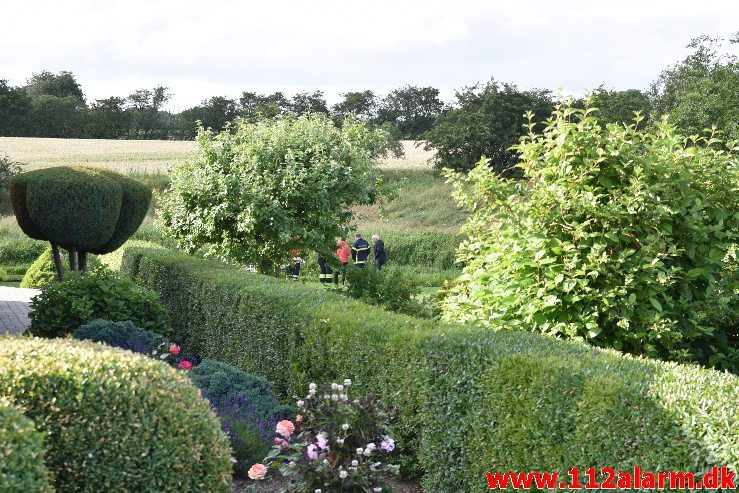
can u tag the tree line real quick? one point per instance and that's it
(484, 120)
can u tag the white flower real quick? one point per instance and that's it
(317, 490)
(292, 463)
(326, 396)
(334, 397)
(345, 426)
(344, 397)
(367, 452)
(377, 489)
(355, 463)
(360, 451)
(340, 441)
(340, 388)
(347, 383)
(342, 474)
(301, 403)
(325, 461)
(371, 446)
(356, 402)
(312, 386)
(334, 386)
(311, 392)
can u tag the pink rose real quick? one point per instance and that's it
(174, 349)
(285, 428)
(284, 444)
(277, 440)
(257, 471)
(185, 365)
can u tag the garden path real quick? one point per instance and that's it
(14, 306)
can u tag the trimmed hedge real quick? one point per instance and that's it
(124, 335)
(465, 401)
(22, 468)
(116, 421)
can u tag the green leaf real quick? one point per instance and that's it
(656, 304)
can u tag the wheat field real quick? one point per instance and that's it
(142, 156)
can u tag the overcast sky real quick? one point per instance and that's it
(222, 47)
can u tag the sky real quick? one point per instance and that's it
(202, 48)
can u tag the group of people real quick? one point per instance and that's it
(358, 253)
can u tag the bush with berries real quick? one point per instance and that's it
(335, 444)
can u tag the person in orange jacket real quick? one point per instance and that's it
(343, 253)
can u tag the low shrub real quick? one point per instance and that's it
(246, 405)
(22, 468)
(458, 398)
(21, 250)
(62, 307)
(124, 335)
(42, 271)
(115, 421)
(391, 288)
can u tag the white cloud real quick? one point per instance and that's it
(202, 49)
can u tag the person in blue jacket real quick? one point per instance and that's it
(379, 252)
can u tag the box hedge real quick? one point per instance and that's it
(115, 421)
(22, 468)
(464, 401)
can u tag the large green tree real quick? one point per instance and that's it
(618, 236)
(355, 104)
(61, 85)
(15, 105)
(485, 122)
(256, 192)
(411, 109)
(620, 106)
(701, 91)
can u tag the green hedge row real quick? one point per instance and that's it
(463, 401)
(114, 421)
(22, 466)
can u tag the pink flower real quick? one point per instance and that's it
(174, 349)
(277, 440)
(284, 443)
(185, 365)
(299, 418)
(322, 441)
(285, 428)
(257, 471)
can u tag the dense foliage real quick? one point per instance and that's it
(700, 91)
(486, 121)
(392, 288)
(441, 381)
(22, 466)
(63, 307)
(115, 421)
(79, 209)
(337, 443)
(257, 192)
(42, 271)
(124, 335)
(620, 237)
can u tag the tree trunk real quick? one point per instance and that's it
(83, 261)
(57, 261)
(73, 260)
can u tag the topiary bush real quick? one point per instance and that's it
(617, 236)
(115, 421)
(79, 209)
(124, 335)
(22, 468)
(63, 307)
(42, 271)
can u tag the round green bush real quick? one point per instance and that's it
(116, 422)
(22, 466)
(91, 209)
(63, 307)
(43, 272)
(124, 335)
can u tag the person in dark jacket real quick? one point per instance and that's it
(360, 251)
(325, 272)
(379, 252)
